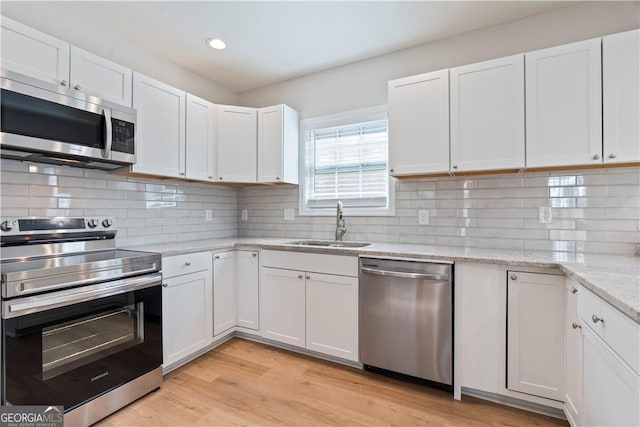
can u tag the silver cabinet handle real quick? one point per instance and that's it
(64, 83)
(573, 290)
(299, 276)
(574, 325)
(108, 133)
(514, 277)
(612, 155)
(217, 257)
(596, 156)
(164, 285)
(77, 87)
(404, 274)
(596, 319)
(188, 264)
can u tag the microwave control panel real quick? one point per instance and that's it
(123, 135)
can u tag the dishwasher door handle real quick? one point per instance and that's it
(404, 274)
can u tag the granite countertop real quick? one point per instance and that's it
(615, 278)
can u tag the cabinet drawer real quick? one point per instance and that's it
(184, 264)
(618, 331)
(304, 261)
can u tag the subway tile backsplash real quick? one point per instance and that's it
(146, 210)
(594, 211)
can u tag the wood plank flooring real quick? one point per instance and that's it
(247, 383)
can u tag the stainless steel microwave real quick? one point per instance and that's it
(42, 122)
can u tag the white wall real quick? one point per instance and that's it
(364, 83)
(120, 51)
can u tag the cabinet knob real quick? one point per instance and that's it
(454, 167)
(596, 156)
(392, 170)
(574, 325)
(299, 276)
(220, 178)
(164, 285)
(596, 319)
(188, 264)
(217, 257)
(612, 155)
(308, 276)
(181, 173)
(573, 290)
(514, 277)
(77, 87)
(210, 177)
(64, 83)
(277, 178)
(254, 254)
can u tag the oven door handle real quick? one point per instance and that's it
(36, 304)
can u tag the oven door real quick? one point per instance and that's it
(66, 349)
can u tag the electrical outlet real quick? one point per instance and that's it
(423, 217)
(288, 214)
(245, 215)
(208, 215)
(545, 215)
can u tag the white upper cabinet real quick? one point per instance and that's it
(200, 139)
(419, 124)
(94, 75)
(564, 111)
(621, 97)
(237, 143)
(278, 144)
(160, 129)
(487, 115)
(35, 54)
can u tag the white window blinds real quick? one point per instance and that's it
(347, 163)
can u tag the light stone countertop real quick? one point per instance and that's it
(615, 278)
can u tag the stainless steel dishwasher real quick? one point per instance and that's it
(406, 318)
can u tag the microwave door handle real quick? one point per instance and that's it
(108, 134)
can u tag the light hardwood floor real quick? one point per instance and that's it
(247, 383)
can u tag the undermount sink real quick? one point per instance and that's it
(329, 243)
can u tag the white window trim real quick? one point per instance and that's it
(340, 119)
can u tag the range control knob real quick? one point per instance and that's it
(106, 223)
(92, 223)
(6, 226)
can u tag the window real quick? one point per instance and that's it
(345, 157)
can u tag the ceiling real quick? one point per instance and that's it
(269, 41)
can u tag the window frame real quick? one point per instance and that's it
(334, 120)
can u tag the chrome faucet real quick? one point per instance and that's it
(341, 226)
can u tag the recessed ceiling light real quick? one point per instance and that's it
(216, 43)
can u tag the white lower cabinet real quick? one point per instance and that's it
(573, 356)
(282, 305)
(186, 306)
(535, 334)
(332, 315)
(247, 290)
(224, 291)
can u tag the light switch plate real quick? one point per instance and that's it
(545, 215)
(423, 217)
(288, 215)
(245, 215)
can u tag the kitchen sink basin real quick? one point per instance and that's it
(329, 243)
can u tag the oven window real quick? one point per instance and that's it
(70, 345)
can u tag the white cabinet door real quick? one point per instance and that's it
(278, 144)
(611, 387)
(332, 315)
(237, 143)
(573, 356)
(487, 115)
(160, 133)
(96, 76)
(247, 289)
(621, 97)
(35, 54)
(282, 305)
(224, 291)
(419, 124)
(564, 111)
(200, 139)
(186, 315)
(535, 334)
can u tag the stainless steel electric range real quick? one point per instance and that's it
(81, 320)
